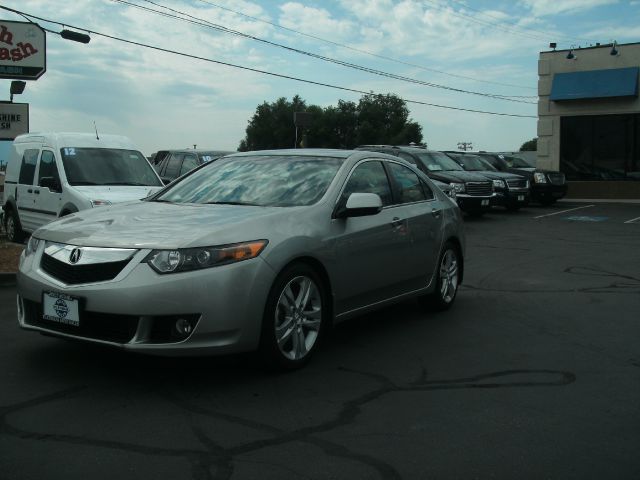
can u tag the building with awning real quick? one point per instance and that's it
(589, 118)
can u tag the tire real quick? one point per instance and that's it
(13, 228)
(295, 318)
(448, 274)
(547, 202)
(513, 208)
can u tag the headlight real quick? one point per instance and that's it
(32, 246)
(498, 184)
(539, 177)
(186, 259)
(100, 203)
(458, 187)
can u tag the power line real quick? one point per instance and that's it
(255, 70)
(515, 24)
(205, 23)
(383, 57)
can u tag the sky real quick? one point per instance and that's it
(452, 53)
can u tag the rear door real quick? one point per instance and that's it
(415, 202)
(25, 198)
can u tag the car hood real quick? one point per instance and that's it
(116, 193)
(458, 176)
(166, 225)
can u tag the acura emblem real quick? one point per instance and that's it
(76, 253)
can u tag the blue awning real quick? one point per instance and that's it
(615, 82)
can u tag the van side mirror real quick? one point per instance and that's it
(51, 183)
(360, 205)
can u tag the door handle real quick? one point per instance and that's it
(396, 222)
(37, 192)
(29, 190)
(435, 212)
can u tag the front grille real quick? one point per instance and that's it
(556, 178)
(479, 188)
(98, 326)
(518, 183)
(76, 274)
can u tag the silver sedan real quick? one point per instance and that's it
(256, 251)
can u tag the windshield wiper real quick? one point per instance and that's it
(233, 203)
(134, 184)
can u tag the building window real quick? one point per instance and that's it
(600, 147)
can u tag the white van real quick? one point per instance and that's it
(50, 175)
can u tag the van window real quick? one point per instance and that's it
(48, 167)
(28, 166)
(107, 166)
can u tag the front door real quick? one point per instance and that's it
(25, 198)
(370, 250)
(48, 198)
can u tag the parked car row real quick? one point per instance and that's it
(482, 180)
(231, 253)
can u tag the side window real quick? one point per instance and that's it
(407, 183)
(190, 162)
(48, 167)
(28, 166)
(173, 165)
(369, 177)
(407, 157)
(427, 191)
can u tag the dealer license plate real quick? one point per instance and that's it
(60, 308)
(521, 198)
(484, 203)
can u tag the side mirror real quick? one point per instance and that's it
(361, 205)
(51, 183)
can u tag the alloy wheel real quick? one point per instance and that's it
(448, 276)
(298, 317)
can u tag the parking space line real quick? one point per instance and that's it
(564, 211)
(633, 220)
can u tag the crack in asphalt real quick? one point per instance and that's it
(221, 459)
(626, 285)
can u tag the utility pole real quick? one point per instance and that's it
(464, 146)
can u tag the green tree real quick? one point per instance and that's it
(530, 145)
(375, 119)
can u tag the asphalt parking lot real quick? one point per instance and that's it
(534, 373)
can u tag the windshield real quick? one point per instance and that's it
(474, 163)
(515, 162)
(274, 181)
(435, 161)
(107, 166)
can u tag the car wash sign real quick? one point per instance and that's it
(23, 52)
(14, 120)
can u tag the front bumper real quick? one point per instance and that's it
(543, 192)
(473, 203)
(225, 302)
(511, 198)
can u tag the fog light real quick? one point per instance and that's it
(183, 327)
(21, 315)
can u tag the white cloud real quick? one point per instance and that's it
(541, 8)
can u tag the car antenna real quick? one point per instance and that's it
(96, 128)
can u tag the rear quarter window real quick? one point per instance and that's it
(28, 166)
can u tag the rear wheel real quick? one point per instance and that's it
(448, 275)
(294, 319)
(13, 228)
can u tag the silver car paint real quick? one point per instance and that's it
(364, 271)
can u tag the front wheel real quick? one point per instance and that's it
(13, 228)
(294, 319)
(448, 275)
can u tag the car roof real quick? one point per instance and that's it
(301, 152)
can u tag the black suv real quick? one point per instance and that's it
(512, 191)
(171, 164)
(546, 186)
(473, 192)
